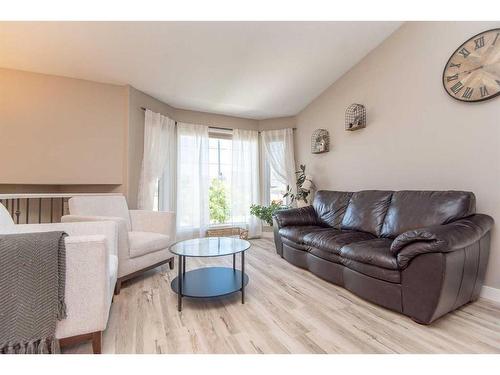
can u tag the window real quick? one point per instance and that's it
(219, 163)
(277, 188)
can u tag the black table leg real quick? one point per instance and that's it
(234, 261)
(183, 266)
(181, 276)
(242, 277)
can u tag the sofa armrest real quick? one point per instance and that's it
(296, 216)
(76, 229)
(440, 238)
(88, 290)
(121, 228)
(153, 221)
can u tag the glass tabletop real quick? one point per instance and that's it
(209, 247)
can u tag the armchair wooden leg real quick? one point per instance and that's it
(171, 263)
(97, 342)
(118, 286)
(96, 338)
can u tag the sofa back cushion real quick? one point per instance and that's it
(114, 205)
(366, 211)
(418, 209)
(330, 207)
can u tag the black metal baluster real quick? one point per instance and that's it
(27, 210)
(51, 210)
(39, 210)
(18, 212)
(62, 207)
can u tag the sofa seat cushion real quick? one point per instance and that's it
(376, 252)
(295, 245)
(392, 276)
(332, 240)
(297, 233)
(326, 255)
(142, 243)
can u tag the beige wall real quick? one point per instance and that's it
(58, 131)
(278, 123)
(417, 137)
(212, 119)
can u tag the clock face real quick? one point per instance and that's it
(472, 73)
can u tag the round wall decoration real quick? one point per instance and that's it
(472, 73)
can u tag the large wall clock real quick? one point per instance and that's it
(472, 73)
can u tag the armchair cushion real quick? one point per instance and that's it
(153, 221)
(296, 216)
(142, 243)
(440, 238)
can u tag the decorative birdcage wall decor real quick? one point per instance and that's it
(320, 141)
(355, 117)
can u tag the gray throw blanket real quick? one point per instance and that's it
(32, 283)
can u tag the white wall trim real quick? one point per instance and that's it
(490, 293)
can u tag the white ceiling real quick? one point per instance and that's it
(247, 69)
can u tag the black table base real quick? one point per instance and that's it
(209, 282)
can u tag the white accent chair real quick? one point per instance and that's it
(144, 237)
(91, 272)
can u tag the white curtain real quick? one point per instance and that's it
(159, 141)
(245, 180)
(192, 181)
(277, 146)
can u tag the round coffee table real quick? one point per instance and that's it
(209, 281)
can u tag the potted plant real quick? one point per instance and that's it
(304, 186)
(265, 213)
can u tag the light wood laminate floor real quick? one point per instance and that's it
(287, 310)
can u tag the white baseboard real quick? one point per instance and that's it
(490, 293)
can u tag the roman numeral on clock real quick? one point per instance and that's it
(495, 39)
(452, 78)
(464, 52)
(468, 93)
(455, 65)
(457, 87)
(479, 42)
(484, 91)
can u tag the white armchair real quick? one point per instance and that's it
(91, 273)
(144, 237)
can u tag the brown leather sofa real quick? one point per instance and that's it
(421, 253)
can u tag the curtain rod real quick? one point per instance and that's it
(214, 127)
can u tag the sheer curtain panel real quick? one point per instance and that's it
(278, 157)
(192, 181)
(159, 142)
(245, 180)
